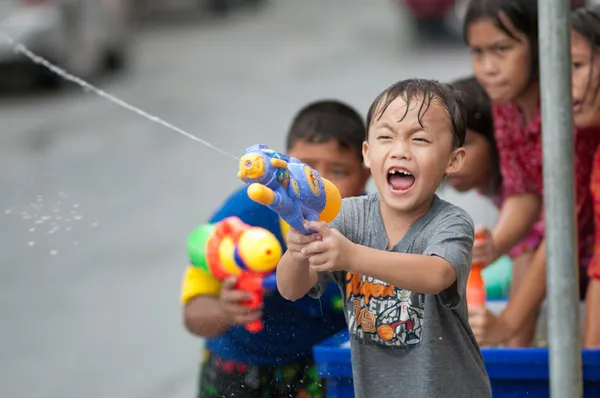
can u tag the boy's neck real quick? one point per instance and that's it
(397, 223)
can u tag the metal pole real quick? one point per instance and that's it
(559, 203)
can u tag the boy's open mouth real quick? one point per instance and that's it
(400, 179)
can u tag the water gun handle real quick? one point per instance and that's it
(253, 285)
(476, 295)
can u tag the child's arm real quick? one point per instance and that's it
(442, 268)
(294, 276)
(446, 260)
(517, 216)
(204, 316)
(202, 312)
(522, 192)
(415, 272)
(210, 307)
(490, 329)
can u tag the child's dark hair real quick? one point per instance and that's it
(425, 91)
(478, 108)
(523, 14)
(323, 121)
(586, 22)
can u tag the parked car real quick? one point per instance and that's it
(444, 18)
(86, 37)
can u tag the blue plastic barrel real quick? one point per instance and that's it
(521, 372)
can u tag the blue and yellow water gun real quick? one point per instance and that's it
(292, 189)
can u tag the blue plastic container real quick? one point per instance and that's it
(513, 373)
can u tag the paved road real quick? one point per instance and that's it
(96, 202)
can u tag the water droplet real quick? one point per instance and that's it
(77, 218)
(31, 229)
(54, 252)
(8, 211)
(76, 242)
(31, 243)
(94, 224)
(75, 206)
(68, 229)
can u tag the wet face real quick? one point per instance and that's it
(585, 70)
(477, 172)
(337, 164)
(408, 161)
(501, 64)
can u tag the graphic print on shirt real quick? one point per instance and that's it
(382, 314)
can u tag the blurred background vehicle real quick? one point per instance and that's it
(442, 19)
(86, 37)
(142, 8)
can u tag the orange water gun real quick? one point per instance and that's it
(232, 248)
(476, 294)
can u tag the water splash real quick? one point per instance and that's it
(87, 87)
(49, 215)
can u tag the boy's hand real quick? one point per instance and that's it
(296, 242)
(232, 303)
(484, 249)
(329, 253)
(489, 329)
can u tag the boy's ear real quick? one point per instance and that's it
(365, 152)
(457, 160)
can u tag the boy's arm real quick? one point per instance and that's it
(414, 272)
(529, 296)
(294, 277)
(521, 188)
(202, 312)
(443, 268)
(205, 317)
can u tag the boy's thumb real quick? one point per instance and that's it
(229, 282)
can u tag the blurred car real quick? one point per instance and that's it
(86, 37)
(444, 18)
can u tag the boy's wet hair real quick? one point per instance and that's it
(586, 22)
(424, 91)
(523, 14)
(327, 120)
(478, 108)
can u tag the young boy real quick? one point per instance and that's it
(277, 362)
(401, 256)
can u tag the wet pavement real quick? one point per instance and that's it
(96, 202)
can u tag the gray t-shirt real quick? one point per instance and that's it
(410, 344)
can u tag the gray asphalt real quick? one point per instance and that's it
(96, 202)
